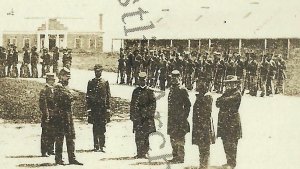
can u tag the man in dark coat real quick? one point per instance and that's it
(46, 104)
(63, 119)
(178, 111)
(55, 60)
(24, 69)
(203, 134)
(122, 66)
(98, 105)
(34, 61)
(229, 123)
(2, 62)
(252, 72)
(142, 110)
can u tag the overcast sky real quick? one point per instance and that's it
(113, 26)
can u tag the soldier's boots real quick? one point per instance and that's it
(75, 162)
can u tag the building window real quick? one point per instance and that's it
(92, 43)
(77, 43)
(26, 42)
(12, 41)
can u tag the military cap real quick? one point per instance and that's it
(65, 71)
(98, 67)
(142, 75)
(175, 73)
(231, 78)
(50, 76)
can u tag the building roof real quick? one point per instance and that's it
(196, 19)
(34, 24)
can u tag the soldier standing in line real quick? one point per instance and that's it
(203, 134)
(252, 71)
(9, 61)
(142, 111)
(55, 60)
(239, 70)
(46, 64)
(129, 67)
(163, 74)
(98, 105)
(2, 62)
(24, 69)
(121, 66)
(219, 76)
(178, 111)
(280, 75)
(190, 68)
(229, 123)
(67, 58)
(63, 120)
(46, 104)
(208, 71)
(15, 60)
(270, 76)
(34, 61)
(263, 69)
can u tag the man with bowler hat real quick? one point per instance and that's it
(98, 105)
(142, 110)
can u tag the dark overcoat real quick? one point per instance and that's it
(46, 104)
(142, 110)
(229, 122)
(98, 101)
(63, 115)
(203, 128)
(178, 111)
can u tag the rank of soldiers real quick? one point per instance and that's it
(264, 72)
(9, 58)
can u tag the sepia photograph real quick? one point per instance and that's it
(150, 84)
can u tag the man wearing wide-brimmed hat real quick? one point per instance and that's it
(142, 110)
(98, 106)
(229, 123)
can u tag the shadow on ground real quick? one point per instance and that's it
(210, 167)
(24, 156)
(36, 165)
(84, 151)
(118, 158)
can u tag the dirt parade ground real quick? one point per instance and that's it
(270, 136)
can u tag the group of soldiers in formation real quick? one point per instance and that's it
(265, 72)
(56, 107)
(9, 59)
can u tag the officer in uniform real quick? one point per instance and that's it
(178, 111)
(98, 105)
(46, 104)
(203, 134)
(67, 58)
(281, 67)
(24, 70)
(252, 72)
(15, 60)
(63, 120)
(46, 62)
(34, 61)
(9, 60)
(142, 110)
(129, 67)
(163, 74)
(270, 76)
(263, 71)
(229, 123)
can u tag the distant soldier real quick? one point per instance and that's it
(209, 72)
(263, 72)
(271, 76)
(34, 61)
(280, 76)
(14, 60)
(2, 62)
(122, 66)
(46, 104)
(55, 60)
(24, 69)
(142, 110)
(252, 71)
(67, 58)
(46, 63)
(64, 125)
(137, 66)
(9, 60)
(189, 70)
(203, 134)
(98, 105)
(178, 111)
(129, 66)
(219, 76)
(163, 74)
(229, 123)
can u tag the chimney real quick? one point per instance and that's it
(100, 21)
